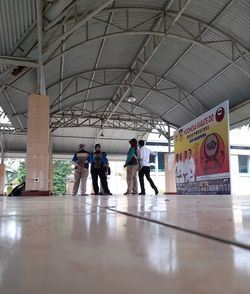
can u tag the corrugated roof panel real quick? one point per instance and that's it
(166, 55)
(179, 117)
(12, 141)
(159, 103)
(184, 27)
(97, 105)
(52, 72)
(197, 67)
(244, 62)
(15, 19)
(231, 84)
(120, 51)
(82, 59)
(81, 7)
(188, 72)
(27, 82)
(3, 67)
(223, 44)
(137, 20)
(110, 75)
(236, 22)
(100, 92)
(167, 90)
(143, 3)
(207, 9)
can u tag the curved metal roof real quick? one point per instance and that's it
(177, 58)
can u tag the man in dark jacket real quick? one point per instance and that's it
(99, 166)
(80, 160)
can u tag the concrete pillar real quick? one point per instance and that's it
(51, 182)
(39, 160)
(170, 183)
(2, 177)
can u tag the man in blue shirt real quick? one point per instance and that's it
(99, 166)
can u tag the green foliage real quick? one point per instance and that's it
(62, 169)
(21, 172)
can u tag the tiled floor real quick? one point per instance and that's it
(118, 244)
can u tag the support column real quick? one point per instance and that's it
(170, 182)
(38, 163)
(51, 180)
(2, 177)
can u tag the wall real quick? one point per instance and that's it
(240, 183)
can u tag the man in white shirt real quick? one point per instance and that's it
(177, 169)
(144, 155)
(190, 167)
(185, 167)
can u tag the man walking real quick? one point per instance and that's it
(80, 161)
(144, 154)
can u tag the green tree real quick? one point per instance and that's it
(21, 172)
(61, 170)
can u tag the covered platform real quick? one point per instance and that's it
(106, 71)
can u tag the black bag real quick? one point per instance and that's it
(17, 191)
(109, 171)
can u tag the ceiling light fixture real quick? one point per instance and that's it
(131, 97)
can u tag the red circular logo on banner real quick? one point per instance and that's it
(220, 113)
(212, 154)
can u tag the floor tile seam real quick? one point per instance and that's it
(169, 225)
(188, 231)
(44, 215)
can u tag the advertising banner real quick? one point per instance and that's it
(202, 154)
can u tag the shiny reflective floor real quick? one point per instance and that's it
(119, 244)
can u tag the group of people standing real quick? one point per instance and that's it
(137, 162)
(99, 167)
(185, 168)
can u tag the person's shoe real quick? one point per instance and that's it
(156, 191)
(127, 193)
(73, 194)
(109, 193)
(142, 193)
(84, 194)
(101, 193)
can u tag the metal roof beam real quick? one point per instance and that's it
(62, 14)
(152, 113)
(124, 71)
(202, 33)
(13, 108)
(18, 61)
(98, 58)
(137, 123)
(158, 35)
(120, 85)
(41, 88)
(81, 22)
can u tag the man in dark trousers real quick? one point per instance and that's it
(99, 166)
(144, 155)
